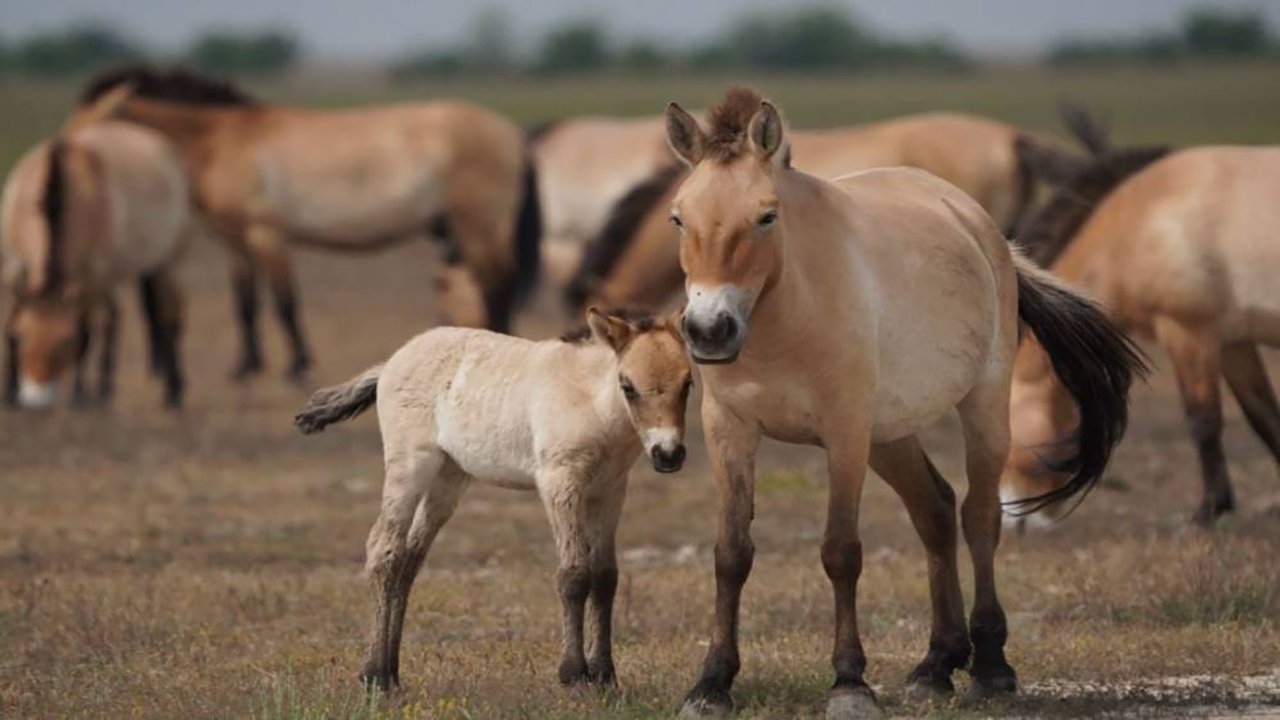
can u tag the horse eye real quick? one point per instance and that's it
(767, 219)
(629, 390)
(675, 220)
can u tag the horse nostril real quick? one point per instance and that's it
(725, 327)
(677, 457)
(692, 331)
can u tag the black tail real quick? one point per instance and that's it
(1096, 363)
(52, 203)
(528, 237)
(340, 402)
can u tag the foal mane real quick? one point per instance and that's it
(643, 321)
(177, 85)
(1048, 233)
(625, 218)
(728, 120)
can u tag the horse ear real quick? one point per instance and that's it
(765, 131)
(609, 329)
(684, 136)
(1050, 163)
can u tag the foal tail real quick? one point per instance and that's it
(1096, 363)
(340, 402)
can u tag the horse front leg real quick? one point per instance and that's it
(245, 289)
(731, 446)
(80, 382)
(269, 247)
(107, 351)
(850, 696)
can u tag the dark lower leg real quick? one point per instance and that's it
(287, 309)
(1248, 381)
(148, 296)
(11, 370)
(604, 586)
(80, 383)
(842, 560)
(246, 292)
(107, 355)
(573, 581)
(1206, 430)
(988, 630)
(498, 303)
(734, 555)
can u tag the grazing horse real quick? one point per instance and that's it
(1179, 248)
(81, 214)
(345, 180)
(584, 165)
(566, 418)
(633, 261)
(849, 315)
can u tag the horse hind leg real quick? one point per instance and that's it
(931, 504)
(270, 249)
(1247, 378)
(107, 351)
(984, 415)
(602, 529)
(420, 493)
(1197, 359)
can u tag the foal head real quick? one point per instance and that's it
(48, 309)
(727, 211)
(654, 378)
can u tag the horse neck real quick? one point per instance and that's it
(592, 365)
(189, 128)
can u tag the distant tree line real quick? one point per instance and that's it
(87, 47)
(811, 38)
(1202, 34)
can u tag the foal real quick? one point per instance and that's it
(564, 417)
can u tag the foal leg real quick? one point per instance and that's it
(850, 696)
(1248, 381)
(1196, 356)
(984, 414)
(731, 447)
(563, 496)
(107, 352)
(931, 503)
(269, 247)
(602, 530)
(419, 495)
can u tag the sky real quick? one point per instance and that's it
(378, 29)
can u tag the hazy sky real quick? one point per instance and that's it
(372, 29)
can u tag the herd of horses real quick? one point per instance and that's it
(842, 288)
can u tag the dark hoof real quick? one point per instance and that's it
(697, 709)
(857, 703)
(573, 672)
(1209, 513)
(297, 371)
(247, 368)
(928, 691)
(601, 673)
(994, 685)
(376, 681)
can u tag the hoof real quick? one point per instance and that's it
(920, 691)
(853, 704)
(246, 369)
(297, 372)
(705, 708)
(988, 687)
(379, 682)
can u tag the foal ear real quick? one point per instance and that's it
(684, 135)
(610, 329)
(765, 131)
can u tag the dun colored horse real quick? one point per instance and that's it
(566, 418)
(82, 213)
(849, 315)
(345, 180)
(633, 260)
(1179, 247)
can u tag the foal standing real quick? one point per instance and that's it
(561, 417)
(849, 315)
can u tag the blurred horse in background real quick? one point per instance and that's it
(345, 180)
(633, 260)
(1180, 247)
(81, 214)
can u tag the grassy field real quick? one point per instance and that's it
(207, 564)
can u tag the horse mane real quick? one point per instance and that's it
(52, 201)
(177, 85)
(534, 133)
(625, 218)
(728, 120)
(1050, 230)
(644, 323)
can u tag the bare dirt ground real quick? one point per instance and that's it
(207, 563)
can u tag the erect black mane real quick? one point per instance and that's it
(644, 322)
(177, 85)
(626, 217)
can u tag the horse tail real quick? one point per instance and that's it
(1096, 363)
(528, 236)
(339, 402)
(52, 206)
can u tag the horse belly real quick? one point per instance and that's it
(485, 436)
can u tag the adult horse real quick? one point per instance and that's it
(1179, 247)
(633, 260)
(345, 180)
(849, 315)
(81, 214)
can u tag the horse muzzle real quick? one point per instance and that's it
(667, 461)
(36, 395)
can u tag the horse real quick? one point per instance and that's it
(344, 180)
(565, 417)
(82, 213)
(633, 260)
(1177, 245)
(584, 165)
(848, 315)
